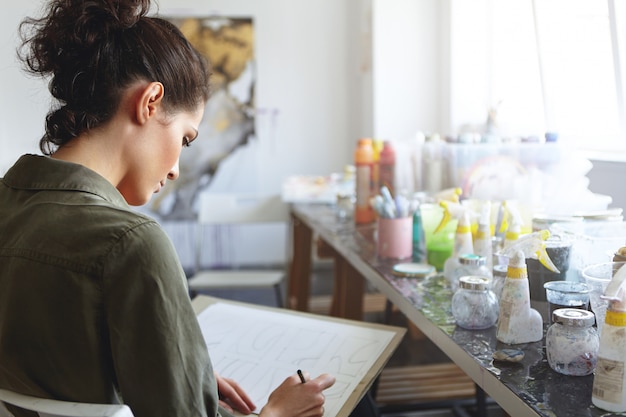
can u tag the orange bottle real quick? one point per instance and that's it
(365, 187)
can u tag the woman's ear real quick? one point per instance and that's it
(150, 99)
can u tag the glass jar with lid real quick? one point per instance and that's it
(469, 264)
(572, 342)
(497, 283)
(474, 305)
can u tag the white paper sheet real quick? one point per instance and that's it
(260, 348)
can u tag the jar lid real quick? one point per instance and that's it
(474, 282)
(472, 259)
(413, 270)
(500, 270)
(573, 317)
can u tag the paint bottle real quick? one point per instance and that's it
(514, 230)
(387, 167)
(365, 184)
(518, 322)
(609, 382)
(377, 145)
(483, 244)
(433, 163)
(462, 246)
(419, 238)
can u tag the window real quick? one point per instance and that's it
(560, 65)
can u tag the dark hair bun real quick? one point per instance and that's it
(72, 27)
(94, 49)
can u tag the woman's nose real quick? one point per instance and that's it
(173, 174)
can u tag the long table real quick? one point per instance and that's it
(528, 388)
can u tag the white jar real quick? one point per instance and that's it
(499, 275)
(474, 305)
(572, 342)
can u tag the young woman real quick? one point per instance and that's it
(93, 301)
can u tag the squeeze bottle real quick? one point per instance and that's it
(533, 245)
(482, 241)
(365, 184)
(387, 167)
(462, 246)
(514, 231)
(609, 383)
(517, 321)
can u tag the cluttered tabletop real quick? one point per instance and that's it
(513, 368)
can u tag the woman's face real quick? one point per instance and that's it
(153, 157)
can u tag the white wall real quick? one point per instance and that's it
(332, 71)
(23, 100)
(407, 83)
(308, 74)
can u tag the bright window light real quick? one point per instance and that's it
(578, 72)
(560, 66)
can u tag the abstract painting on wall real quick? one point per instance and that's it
(228, 123)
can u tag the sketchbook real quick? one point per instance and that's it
(260, 346)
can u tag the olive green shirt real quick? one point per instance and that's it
(93, 300)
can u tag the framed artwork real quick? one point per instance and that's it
(228, 123)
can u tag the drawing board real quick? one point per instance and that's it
(261, 346)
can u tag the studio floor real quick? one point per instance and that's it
(418, 381)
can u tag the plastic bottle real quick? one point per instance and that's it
(515, 228)
(433, 163)
(533, 245)
(419, 238)
(462, 240)
(609, 383)
(365, 184)
(483, 244)
(377, 145)
(449, 194)
(518, 322)
(387, 167)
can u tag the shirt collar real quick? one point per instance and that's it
(35, 172)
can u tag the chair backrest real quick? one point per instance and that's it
(241, 208)
(55, 408)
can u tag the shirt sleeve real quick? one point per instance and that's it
(160, 357)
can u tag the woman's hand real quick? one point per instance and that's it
(232, 396)
(294, 398)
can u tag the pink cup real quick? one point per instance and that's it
(395, 237)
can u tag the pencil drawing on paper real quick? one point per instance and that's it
(259, 349)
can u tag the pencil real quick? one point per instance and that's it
(301, 376)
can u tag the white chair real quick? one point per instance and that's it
(55, 408)
(238, 210)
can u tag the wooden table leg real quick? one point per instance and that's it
(349, 300)
(348, 288)
(300, 266)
